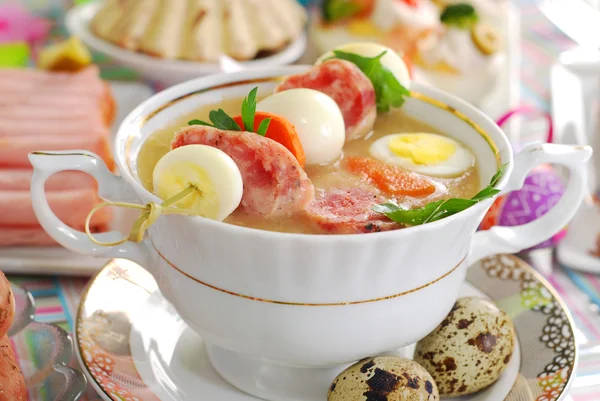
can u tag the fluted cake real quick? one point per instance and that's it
(200, 30)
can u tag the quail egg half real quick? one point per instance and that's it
(470, 349)
(384, 378)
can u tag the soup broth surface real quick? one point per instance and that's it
(322, 176)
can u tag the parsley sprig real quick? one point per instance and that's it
(388, 91)
(222, 120)
(335, 10)
(439, 209)
(461, 15)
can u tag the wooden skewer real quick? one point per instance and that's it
(148, 216)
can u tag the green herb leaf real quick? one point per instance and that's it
(223, 121)
(219, 119)
(388, 91)
(439, 209)
(335, 10)
(412, 217)
(263, 127)
(496, 177)
(199, 122)
(461, 15)
(449, 207)
(249, 109)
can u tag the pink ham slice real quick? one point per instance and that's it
(24, 236)
(66, 127)
(72, 207)
(39, 111)
(345, 83)
(47, 100)
(348, 211)
(19, 179)
(274, 182)
(28, 236)
(76, 111)
(19, 81)
(14, 150)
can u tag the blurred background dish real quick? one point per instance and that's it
(200, 31)
(460, 46)
(248, 45)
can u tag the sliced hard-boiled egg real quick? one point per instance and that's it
(430, 154)
(211, 171)
(486, 38)
(391, 60)
(317, 119)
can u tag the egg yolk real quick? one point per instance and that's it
(422, 148)
(362, 27)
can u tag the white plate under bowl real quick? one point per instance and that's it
(133, 345)
(55, 259)
(168, 72)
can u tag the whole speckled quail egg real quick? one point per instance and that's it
(384, 378)
(470, 349)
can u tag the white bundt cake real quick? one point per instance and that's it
(200, 30)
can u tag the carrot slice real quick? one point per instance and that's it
(280, 130)
(390, 179)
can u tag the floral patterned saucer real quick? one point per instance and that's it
(43, 351)
(133, 346)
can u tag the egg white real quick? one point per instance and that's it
(455, 165)
(219, 181)
(317, 119)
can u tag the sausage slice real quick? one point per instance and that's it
(274, 182)
(345, 83)
(348, 211)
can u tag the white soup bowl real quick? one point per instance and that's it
(276, 305)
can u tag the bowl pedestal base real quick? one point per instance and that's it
(271, 381)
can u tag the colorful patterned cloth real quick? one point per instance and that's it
(57, 297)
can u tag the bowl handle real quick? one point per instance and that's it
(514, 239)
(110, 186)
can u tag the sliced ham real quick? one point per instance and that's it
(66, 127)
(53, 96)
(72, 207)
(49, 111)
(24, 236)
(48, 100)
(19, 179)
(345, 83)
(76, 111)
(20, 80)
(14, 150)
(35, 235)
(93, 88)
(274, 182)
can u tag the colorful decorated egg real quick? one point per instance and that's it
(542, 190)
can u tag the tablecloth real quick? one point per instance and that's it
(57, 297)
